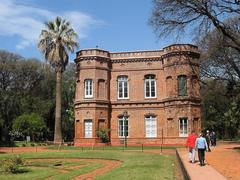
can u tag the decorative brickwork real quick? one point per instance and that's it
(159, 90)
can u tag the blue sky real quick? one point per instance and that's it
(113, 25)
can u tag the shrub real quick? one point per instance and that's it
(12, 164)
(23, 145)
(29, 125)
(103, 135)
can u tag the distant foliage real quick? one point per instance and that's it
(221, 109)
(30, 124)
(28, 86)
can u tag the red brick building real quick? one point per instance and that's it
(152, 96)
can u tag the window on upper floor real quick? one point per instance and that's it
(182, 85)
(150, 86)
(122, 87)
(169, 86)
(88, 88)
(101, 90)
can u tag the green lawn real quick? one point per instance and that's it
(136, 165)
(122, 148)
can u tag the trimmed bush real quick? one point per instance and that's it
(12, 164)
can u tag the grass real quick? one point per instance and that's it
(119, 148)
(136, 165)
(23, 144)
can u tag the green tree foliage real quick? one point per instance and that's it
(220, 110)
(27, 86)
(55, 41)
(30, 125)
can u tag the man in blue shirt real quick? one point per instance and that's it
(201, 146)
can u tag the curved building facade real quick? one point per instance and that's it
(146, 97)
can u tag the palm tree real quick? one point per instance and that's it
(55, 41)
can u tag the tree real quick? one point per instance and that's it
(55, 41)
(19, 78)
(179, 16)
(30, 125)
(216, 59)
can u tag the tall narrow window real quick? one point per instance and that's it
(169, 86)
(101, 92)
(150, 86)
(88, 128)
(151, 126)
(122, 87)
(183, 127)
(182, 85)
(88, 88)
(122, 127)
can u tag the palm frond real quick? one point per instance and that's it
(56, 40)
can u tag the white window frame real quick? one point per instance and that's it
(151, 128)
(122, 80)
(88, 88)
(150, 80)
(183, 131)
(88, 131)
(122, 129)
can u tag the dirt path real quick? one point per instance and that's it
(225, 159)
(107, 165)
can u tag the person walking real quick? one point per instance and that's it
(201, 146)
(191, 146)
(207, 137)
(213, 138)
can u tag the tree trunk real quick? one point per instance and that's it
(58, 122)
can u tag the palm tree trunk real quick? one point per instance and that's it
(58, 123)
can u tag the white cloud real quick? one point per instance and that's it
(26, 21)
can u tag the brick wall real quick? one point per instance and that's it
(103, 68)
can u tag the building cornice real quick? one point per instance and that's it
(165, 101)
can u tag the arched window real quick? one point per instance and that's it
(150, 126)
(88, 88)
(169, 86)
(182, 85)
(150, 86)
(194, 86)
(122, 87)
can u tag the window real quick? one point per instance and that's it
(122, 127)
(122, 87)
(88, 128)
(101, 92)
(151, 126)
(150, 86)
(169, 86)
(183, 127)
(88, 87)
(182, 85)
